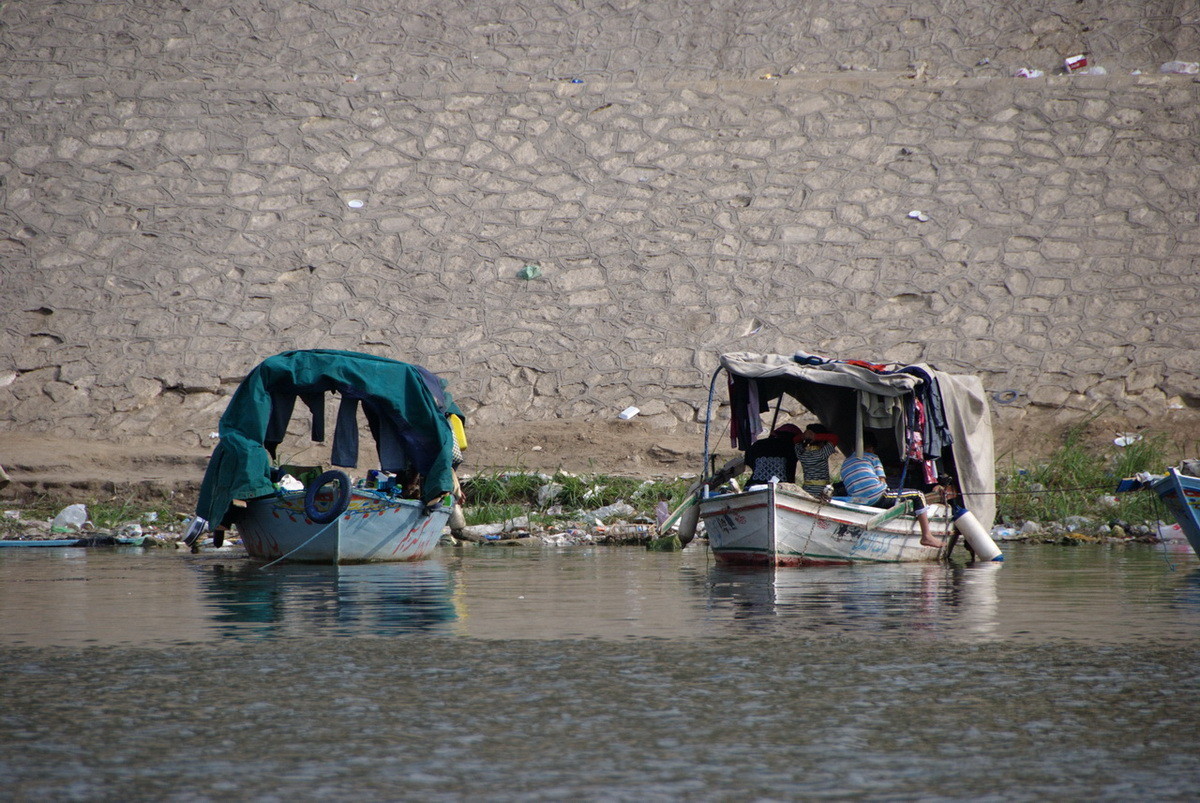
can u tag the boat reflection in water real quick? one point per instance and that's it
(940, 599)
(370, 599)
(1188, 594)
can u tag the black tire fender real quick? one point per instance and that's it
(341, 498)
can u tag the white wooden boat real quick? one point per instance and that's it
(374, 527)
(782, 525)
(779, 524)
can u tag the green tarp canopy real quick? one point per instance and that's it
(405, 405)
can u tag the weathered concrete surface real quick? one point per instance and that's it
(178, 184)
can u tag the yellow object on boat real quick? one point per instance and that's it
(460, 432)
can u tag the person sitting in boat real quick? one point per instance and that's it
(866, 484)
(813, 451)
(773, 458)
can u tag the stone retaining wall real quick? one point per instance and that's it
(464, 41)
(188, 191)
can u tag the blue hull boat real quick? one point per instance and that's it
(373, 527)
(99, 540)
(1181, 494)
(334, 519)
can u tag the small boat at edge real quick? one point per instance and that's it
(333, 519)
(781, 524)
(1180, 492)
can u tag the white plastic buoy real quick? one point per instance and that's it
(980, 542)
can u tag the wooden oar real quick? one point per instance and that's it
(731, 469)
(675, 514)
(687, 530)
(668, 541)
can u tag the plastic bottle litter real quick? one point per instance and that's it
(628, 413)
(69, 519)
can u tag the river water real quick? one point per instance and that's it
(599, 674)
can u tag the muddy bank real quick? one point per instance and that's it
(42, 465)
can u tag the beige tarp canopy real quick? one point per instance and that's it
(836, 391)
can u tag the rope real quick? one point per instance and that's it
(1043, 491)
(297, 549)
(1159, 510)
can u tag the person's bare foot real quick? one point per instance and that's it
(930, 541)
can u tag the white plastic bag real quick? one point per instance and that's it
(70, 519)
(1180, 68)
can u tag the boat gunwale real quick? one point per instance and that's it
(938, 513)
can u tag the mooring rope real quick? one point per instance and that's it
(1159, 510)
(1042, 491)
(297, 549)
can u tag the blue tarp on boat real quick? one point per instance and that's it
(405, 405)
